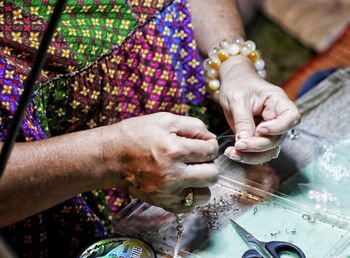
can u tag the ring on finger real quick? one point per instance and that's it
(188, 201)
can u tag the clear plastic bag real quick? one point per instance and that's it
(329, 189)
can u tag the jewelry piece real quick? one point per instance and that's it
(180, 233)
(188, 201)
(225, 50)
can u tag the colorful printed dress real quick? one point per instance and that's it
(109, 60)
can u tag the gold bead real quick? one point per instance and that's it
(223, 55)
(214, 63)
(214, 85)
(254, 56)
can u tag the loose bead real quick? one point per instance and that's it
(233, 49)
(250, 44)
(311, 194)
(254, 56)
(223, 55)
(245, 50)
(259, 65)
(214, 85)
(212, 73)
(214, 63)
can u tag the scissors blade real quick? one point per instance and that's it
(251, 241)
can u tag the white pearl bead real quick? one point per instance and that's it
(233, 49)
(318, 197)
(238, 40)
(225, 43)
(260, 64)
(245, 50)
(214, 85)
(206, 64)
(262, 73)
(250, 44)
(311, 194)
(212, 73)
(213, 53)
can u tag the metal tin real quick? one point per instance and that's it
(119, 247)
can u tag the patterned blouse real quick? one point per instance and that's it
(109, 60)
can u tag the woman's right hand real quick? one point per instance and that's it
(156, 157)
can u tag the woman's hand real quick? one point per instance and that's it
(156, 157)
(258, 112)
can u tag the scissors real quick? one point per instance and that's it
(270, 249)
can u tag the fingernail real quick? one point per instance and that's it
(241, 145)
(230, 153)
(263, 130)
(234, 157)
(212, 135)
(277, 152)
(296, 122)
(227, 151)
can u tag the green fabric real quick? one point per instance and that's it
(106, 24)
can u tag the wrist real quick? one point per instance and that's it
(235, 55)
(110, 142)
(237, 66)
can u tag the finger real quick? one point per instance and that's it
(198, 151)
(190, 127)
(200, 175)
(200, 197)
(258, 143)
(285, 119)
(252, 158)
(243, 119)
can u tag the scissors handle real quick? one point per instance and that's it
(251, 253)
(275, 247)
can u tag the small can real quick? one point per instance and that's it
(119, 247)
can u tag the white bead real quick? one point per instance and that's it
(245, 50)
(250, 44)
(311, 194)
(214, 85)
(238, 40)
(212, 73)
(225, 43)
(206, 64)
(262, 73)
(318, 197)
(213, 53)
(233, 49)
(260, 64)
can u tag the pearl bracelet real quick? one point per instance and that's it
(225, 50)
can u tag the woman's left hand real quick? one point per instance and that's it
(258, 112)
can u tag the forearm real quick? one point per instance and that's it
(42, 174)
(214, 21)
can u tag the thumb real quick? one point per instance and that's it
(243, 120)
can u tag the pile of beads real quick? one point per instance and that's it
(329, 165)
(323, 199)
(227, 49)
